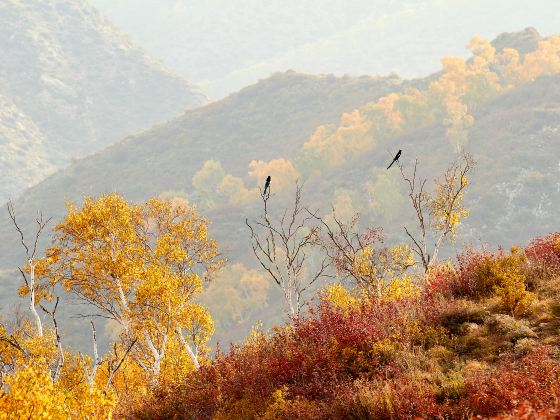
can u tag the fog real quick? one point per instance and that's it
(223, 45)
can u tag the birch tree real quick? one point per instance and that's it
(438, 213)
(283, 247)
(141, 266)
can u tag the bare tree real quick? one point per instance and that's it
(361, 257)
(30, 252)
(437, 214)
(283, 248)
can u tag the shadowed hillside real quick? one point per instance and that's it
(71, 84)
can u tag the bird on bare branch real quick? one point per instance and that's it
(395, 159)
(267, 186)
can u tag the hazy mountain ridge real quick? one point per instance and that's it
(70, 84)
(514, 138)
(352, 37)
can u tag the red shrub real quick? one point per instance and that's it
(443, 281)
(461, 280)
(544, 254)
(532, 381)
(309, 359)
(526, 411)
(470, 263)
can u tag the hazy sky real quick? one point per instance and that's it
(223, 45)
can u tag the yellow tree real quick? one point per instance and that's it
(362, 257)
(438, 214)
(141, 266)
(545, 60)
(234, 189)
(282, 171)
(334, 147)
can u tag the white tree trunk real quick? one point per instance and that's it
(38, 322)
(191, 353)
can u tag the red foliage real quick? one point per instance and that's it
(460, 280)
(544, 253)
(469, 263)
(319, 361)
(440, 282)
(311, 358)
(531, 383)
(526, 411)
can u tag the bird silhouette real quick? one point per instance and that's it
(395, 159)
(267, 185)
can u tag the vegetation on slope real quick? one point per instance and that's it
(218, 156)
(405, 338)
(478, 338)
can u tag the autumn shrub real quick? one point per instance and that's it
(543, 254)
(502, 389)
(307, 360)
(482, 273)
(469, 284)
(282, 407)
(526, 411)
(442, 280)
(406, 395)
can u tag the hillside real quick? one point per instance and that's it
(290, 126)
(477, 339)
(71, 84)
(352, 37)
(270, 118)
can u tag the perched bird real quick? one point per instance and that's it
(267, 184)
(395, 159)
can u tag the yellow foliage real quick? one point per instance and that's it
(339, 297)
(207, 180)
(399, 288)
(505, 274)
(281, 407)
(32, 394)
(142, 265)
(446, 204)
(376, 268)
(349, 140)
(544, 61)
(234, 189)
(236, 294)
(282, 172)
(384, 350)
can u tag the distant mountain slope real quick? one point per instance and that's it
(256, 38)
(274, 117)
(71, 84)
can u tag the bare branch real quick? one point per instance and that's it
(281, 248)
(113, 370)
(60, 360)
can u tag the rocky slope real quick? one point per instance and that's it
(71, 84)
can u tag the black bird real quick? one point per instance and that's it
(395, 159)
(267, 184)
